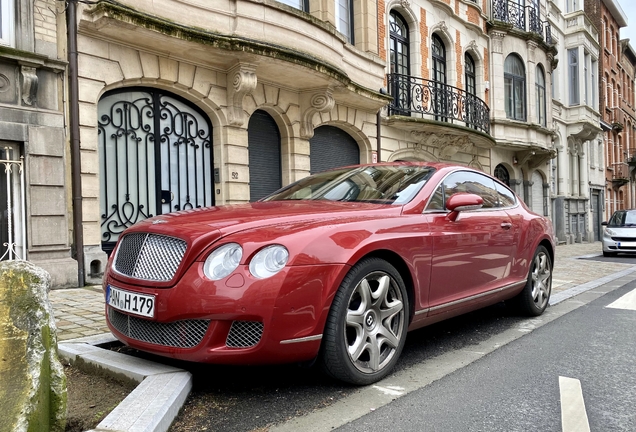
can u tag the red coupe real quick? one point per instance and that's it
(337, 266)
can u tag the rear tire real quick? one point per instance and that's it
(534, 298)
(367, 324)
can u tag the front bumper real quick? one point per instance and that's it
(616, 244)
(238, 320)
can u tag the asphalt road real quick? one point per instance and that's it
(516, 388)
(489, 370)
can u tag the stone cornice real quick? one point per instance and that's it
(118, 12)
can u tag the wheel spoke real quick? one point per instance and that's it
(355, 318)
(387, 336)
(383, 288)
(359, 346)
(374, 353)
(364, 289)
(392, 309)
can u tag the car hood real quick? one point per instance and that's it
(210, 223)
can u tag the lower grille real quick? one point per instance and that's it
(180, 334)
(244, 334)
(624, 239)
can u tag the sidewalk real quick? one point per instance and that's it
(79, 312)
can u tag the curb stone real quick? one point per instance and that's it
(152, 405)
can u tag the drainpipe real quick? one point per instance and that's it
(71, 27)
(378, 134)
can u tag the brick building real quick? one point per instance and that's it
(608, 17)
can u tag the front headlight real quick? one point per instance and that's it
(223, 261)
(269, 261)
(610, 232)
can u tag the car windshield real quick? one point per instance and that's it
(382, 184)
(623, 219)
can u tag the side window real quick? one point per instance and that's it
(506, 197)
(470, 182)
(437, 200)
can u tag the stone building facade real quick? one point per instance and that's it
(271, 92)
(34, 185)
(522, 58)
(578, 171)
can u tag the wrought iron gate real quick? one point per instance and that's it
(155, 154)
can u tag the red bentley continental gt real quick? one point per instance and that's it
(337, 266)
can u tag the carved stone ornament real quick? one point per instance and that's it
(310, 104)
(29, 84)
(497, 41)
(447, 144)
(472, 46)
(243, 79)
(5, 84)
(405, 4)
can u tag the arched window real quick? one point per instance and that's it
(502, 174)
(541, 100)
(471, 90)
(399, 62)
(515, 88)
(440, 95)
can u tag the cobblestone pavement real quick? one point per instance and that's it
(79, 312)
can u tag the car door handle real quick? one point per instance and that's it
(506, 225)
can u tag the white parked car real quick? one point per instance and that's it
(619, 234)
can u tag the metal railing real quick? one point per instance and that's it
(14, 226)
(424, 98)
(526, 18)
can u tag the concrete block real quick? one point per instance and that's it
(45, 170)
(128, 60)
(99, 69)
(152, 406)
(95, 340)
(71, 350)
(122, 365)
(169, 70)
(46, 141)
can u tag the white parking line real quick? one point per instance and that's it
(573, 414)
(628, 301)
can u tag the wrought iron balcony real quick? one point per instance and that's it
(526, 18)
(419, 97)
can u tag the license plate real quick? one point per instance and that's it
(134, 303)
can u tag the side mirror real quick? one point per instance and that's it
(462, 202)
(604, 223)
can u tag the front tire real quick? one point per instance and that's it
(534, 298)
(367, 324)
(609, 254)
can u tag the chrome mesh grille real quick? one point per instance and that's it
(149, 256)
(244, 334)
(180, 334)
